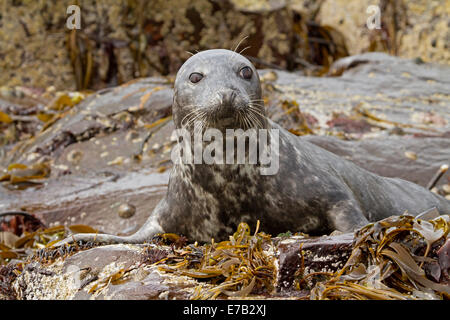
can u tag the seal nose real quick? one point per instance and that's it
(228, 96)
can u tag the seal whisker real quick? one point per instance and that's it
(239, 43)
(257, 122)
(256, 103)
(241, 119)
(190, 112)
(260, 123)
(256, 110)
(237, 46)
(257, 115)
(194, 119)
(255, 106)
(254, 95)
(252, 120)
(190, 115)
(199, 124)
(248, 47)
(247, 121)
(239, 116)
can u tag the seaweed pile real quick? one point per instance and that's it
(26, 112)
(393, 259)
(236, 267)
(24, 237)
(398, 258)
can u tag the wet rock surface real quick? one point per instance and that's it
(90, 275)
(374, 155)
(325, 254)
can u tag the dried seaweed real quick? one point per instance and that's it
(236, 267)
(20, 176)
(39, 242)
(8, 274)
(392, 259)
(384, 263)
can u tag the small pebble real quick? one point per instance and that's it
(411, 155)
(446, 188)
(126, 210)
(74, 156)
(164, 295)
(116, 161)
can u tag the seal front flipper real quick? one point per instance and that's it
(150, 228)
(346, 216)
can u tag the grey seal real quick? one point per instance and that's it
(314, 191)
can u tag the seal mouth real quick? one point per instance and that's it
(225, 116)
(229, 116)
(228, 122)
(243, 117)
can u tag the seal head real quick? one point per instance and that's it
(218, 89)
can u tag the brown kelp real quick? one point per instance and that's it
(236, 267)
(391, 259)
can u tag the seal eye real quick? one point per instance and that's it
(246, 73)
(195, 77)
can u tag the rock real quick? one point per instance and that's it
(143, 39)
(373, 87)
(324, 254)
(153, 41)
(90, 275)
(410, 29)
(386, 156)
(444, 260)
(97, 259)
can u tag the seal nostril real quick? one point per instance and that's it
(233, 95)
(228, 96)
